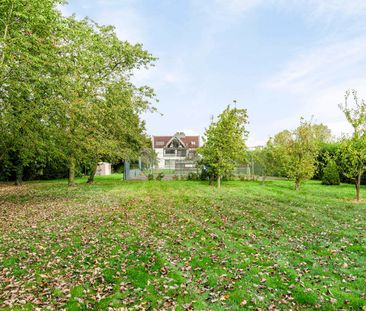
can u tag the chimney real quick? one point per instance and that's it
(180, 135)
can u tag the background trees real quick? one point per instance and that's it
(224, 142)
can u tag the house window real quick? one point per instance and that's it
(160, 143)
(193, 143)
(170, 151)
(181, 153)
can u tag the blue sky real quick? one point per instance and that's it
(280, 59)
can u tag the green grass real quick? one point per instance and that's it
(181, 244)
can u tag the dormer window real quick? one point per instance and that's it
(193, 143)
(160, 143)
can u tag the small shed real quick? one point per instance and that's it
(104, 169)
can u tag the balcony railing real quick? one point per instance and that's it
(175, 153)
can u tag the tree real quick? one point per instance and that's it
(122, 134)
(224, 142)
(331, 173)
(27, 53)
(352, 151)
(322, 133)
(353, 160)
(297, 151)
(93, 62)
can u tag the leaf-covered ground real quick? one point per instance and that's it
(181, 245)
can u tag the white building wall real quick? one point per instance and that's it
(104, 169)
(162, 158)
(160, 153)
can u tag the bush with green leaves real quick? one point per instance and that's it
(160, 176)
(331, 174)
(193, 176)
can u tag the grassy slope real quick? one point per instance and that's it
(182, 244)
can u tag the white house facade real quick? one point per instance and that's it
(172, 149)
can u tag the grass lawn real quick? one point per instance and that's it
(182, 245)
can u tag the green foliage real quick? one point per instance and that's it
(27, 53)
(149, 159)
(326, 151)
(352, 152)
(266, 159)
(193, 176)
(150, 177)
(296, 151)
(66, 90)
(331, 173)
(224, 142)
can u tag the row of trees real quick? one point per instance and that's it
(66, 90)
(298, 154)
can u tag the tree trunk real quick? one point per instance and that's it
(72, 172)
(358, 187)
(219, 182)
(92, 174)
(19, 173)
(297, 184)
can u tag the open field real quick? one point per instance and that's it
(182, 245)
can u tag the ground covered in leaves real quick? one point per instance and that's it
(181, 245)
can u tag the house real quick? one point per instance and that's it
(174, 149)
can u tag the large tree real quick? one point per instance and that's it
(122, 134)
(224, 142)
(27, 53)
(92, 61)
(352, 150)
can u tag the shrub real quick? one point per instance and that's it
(150, 177)
(160, 176)
(331, 174)
(192, 176)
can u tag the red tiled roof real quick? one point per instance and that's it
(189, 141)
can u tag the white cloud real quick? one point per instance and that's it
(319, 65)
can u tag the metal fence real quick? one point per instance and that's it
(185, 168)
